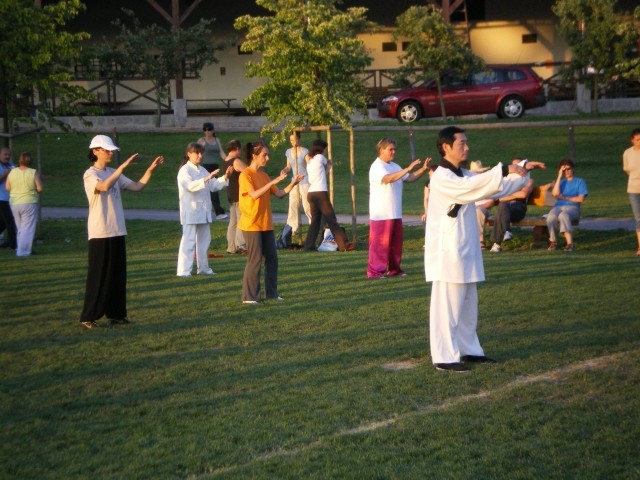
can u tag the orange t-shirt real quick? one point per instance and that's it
(256, 214)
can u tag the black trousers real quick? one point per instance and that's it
(106, 289)
(7, 224)
(215, 196)
(321, 208)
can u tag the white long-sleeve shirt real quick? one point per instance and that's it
(194, 194)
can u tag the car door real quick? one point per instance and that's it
(485, 89)
(455, 89)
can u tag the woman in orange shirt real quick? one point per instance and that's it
(256, 222)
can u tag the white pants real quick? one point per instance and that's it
(453, 318)
(26, 218)
(294, 206)
(195, 238)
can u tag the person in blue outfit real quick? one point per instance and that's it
(570, 192)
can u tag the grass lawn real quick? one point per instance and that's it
(598, 154)
(334, 382)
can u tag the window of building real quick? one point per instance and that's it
(389, 47)
(530, 38)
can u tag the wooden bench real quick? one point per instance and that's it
(539, 224)
(541, 196)
(225, 101)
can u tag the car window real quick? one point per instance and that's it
(485, 77)
(514, 75)
(452, 79)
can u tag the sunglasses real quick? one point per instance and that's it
(207, 129)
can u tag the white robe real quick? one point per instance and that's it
(453, 259)
(452, 250)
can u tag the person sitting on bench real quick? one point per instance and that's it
(511, 208)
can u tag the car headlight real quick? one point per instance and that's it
(390, 98)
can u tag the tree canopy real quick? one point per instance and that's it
(36, 59)
(157, 53)
(434, 47)
(601, 41)
(311, 57)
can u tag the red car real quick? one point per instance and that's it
(506, 90)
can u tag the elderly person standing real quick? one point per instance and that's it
(570, 192)
(385, 210)
(7, 224)
(24, 185)
(631, 166)
(194, 187)
(106, 289)
(452, 255)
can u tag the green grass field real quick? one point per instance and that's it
(598, 155)
(335, 382)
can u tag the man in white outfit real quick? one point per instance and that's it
(452, 255)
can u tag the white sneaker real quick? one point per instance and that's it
(496, 248)
(249, 301)
(222, 216)
(207, 272)
(507, 236)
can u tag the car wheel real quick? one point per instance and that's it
(511, 107)
(409, 112)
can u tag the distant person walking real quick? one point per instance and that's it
(106, 288)
(319, 201)
(631, 166)
(24, 185)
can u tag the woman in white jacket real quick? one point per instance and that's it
(194, 187)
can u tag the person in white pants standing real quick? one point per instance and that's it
(194, 187)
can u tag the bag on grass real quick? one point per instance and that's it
(329, 243)
(284, 238)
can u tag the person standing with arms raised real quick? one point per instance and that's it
(106, 288)
(452, 255)
(256, 223)
(385, 210)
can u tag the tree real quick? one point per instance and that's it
(311, 57)
(434, 47)
(157, 53)
(36, 60)
(600, 41)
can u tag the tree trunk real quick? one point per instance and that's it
(442, 109)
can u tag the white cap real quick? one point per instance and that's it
(104, 142)
(476, 166)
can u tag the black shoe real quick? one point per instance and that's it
(476, 359)
(88, 325)
(119, 321)
(452, 367)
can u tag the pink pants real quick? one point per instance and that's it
(385, 247)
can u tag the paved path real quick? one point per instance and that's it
(172, 215)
